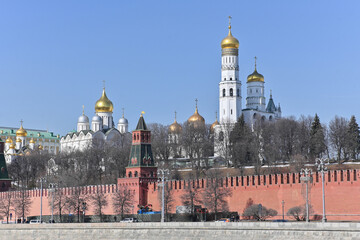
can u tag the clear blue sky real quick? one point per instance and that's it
(158, 56)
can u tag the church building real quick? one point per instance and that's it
(101, 130)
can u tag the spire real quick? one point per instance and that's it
(216, 115)
(230, 25)
(123, 111)
(270, 94)
(141, 123)
(175, 116)
(83, 110)
(255, 62)
(196, 105)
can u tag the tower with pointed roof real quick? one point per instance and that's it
(141, 168)
(5, 181)
(230, 85)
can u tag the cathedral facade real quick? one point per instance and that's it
(101, 129)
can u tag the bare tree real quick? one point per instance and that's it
(75, 201)
(60, 202)
(215, 195)
(122, 201)
(99, 202)
(224, 138)
(198, 145)
(5, 206)
(160, 143)
(259, 212)
(299, 212)
(23, 203)
(191, 198)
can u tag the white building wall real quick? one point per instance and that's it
(229, 88)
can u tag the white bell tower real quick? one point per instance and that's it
(230, 85)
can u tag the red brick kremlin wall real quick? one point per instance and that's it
(342, 193)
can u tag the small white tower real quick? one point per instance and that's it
(255, 91)
(123, 124)
(32, 144)
(83, 122)
(96, 123)
(8, 142)
(230, 85)
(21, 134)
(104, 109)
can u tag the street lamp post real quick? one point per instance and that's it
(83, 208)
(163, 176)
(283, 205)
(306, 178)
(41, 180)
(52, 189)
(321, 167)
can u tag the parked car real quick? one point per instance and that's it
(35, 221)
(129, 220)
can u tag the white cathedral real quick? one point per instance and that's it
(102, 129)
(230, 108)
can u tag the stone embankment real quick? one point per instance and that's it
(182, 230)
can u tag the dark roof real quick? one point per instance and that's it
(271, 106)
(141, 124)
(71, 134)
(3, 169)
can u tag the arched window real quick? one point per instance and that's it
(231, 111)
(130, 174)
(263, 118)
(230, 78)
(250, 90)
(238, 92)
(270, 118)
(136, 174)
(224, 92)
(231, 92)
(254, 116)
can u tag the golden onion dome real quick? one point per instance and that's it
(21, 132)
(32, 141)
(104, 104)
(213, 125)
(229, 41)
(41, 147)
(12, 146)
(8, 140)
(175, 127)
(255, 76)
(18, 140)
(196, 117)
